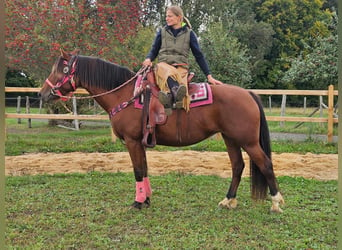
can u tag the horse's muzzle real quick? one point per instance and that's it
(47, 95)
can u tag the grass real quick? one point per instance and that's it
(91, 211)
(309, 128)
(289, 127)
(41, 138)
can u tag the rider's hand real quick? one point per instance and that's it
(147, 62)
(213, 81)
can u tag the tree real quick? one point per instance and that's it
(294, 22)
(35, 30)
(316, 66)
(227, 57)
(255, 35)
(15, 78)
(198, 12)
(139, 45)
(296, 25)
(242, 30)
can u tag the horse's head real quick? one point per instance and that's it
(61, 80)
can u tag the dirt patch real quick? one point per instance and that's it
(315, 166)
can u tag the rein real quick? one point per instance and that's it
(137, 93)
(69, 77)
(143, 70)
(123, 105)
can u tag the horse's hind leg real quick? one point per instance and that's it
(265, 166)
(143, 188)
(238, 165)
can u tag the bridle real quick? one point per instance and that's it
(69, 72)
(69, 77)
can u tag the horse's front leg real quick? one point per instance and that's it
(143, 188)
(238, 165)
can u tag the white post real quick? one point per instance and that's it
(270, 103)
(305, 105)
(74, 110)
(28, 111)
(321, 108)
(283, 111)
(18, 108)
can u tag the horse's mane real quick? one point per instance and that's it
(96, 72)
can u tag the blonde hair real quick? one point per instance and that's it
(179, 12)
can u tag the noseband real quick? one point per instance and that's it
(69, 72)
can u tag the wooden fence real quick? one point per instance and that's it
(330, 93)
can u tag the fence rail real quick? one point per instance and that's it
(330, 93)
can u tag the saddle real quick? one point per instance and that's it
(153, 110)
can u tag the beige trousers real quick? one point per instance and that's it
(180, 74)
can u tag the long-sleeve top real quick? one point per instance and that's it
(194, 46)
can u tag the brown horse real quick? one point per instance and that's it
(235, 113)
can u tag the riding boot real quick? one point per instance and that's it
(173, 99)
(178, 93)
(166, 100)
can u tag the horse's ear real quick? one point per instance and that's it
(75, 52)
(65, 55)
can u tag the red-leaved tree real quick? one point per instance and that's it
(36, 30)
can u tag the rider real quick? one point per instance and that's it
(172, 44)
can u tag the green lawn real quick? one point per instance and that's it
(42, 138)
(91, 211)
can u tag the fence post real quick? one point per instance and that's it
(321, 108)
(330, 112)
(283, 107)
(74, 110)
(28, 111)
(270, 103)
(305, 105)
(40, 105)
(18, 108)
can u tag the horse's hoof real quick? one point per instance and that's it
(277, 210)
(228, 203)
(147, 202)
(136, 205)
(276, 201)
(140, 205)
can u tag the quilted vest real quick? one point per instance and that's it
(174, 50)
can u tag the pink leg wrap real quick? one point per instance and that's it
(140, 192)
(147, 186)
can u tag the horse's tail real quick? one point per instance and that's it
(258, 181)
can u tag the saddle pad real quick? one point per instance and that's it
(200, 94)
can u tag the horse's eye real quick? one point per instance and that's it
(66, 70)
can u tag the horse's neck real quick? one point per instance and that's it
(110, 99)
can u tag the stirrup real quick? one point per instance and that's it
(165, 100)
